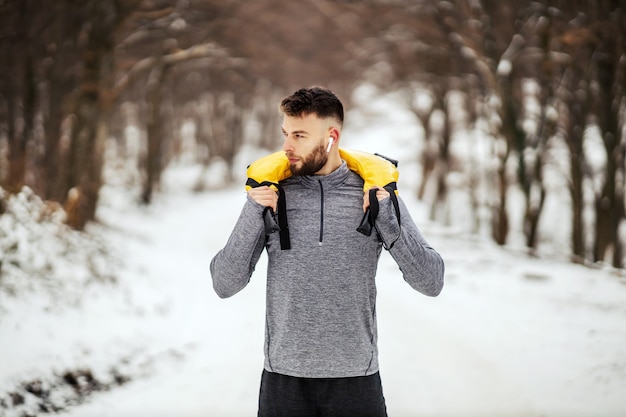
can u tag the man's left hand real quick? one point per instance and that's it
(381, 194)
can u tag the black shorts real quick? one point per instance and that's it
(288, 396)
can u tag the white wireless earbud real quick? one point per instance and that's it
(330, 144)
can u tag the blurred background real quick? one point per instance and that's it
(519, 101)
(508, 118)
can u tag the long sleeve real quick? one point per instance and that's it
(232, 267)
(422, 267)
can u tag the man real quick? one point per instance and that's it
(321, 355)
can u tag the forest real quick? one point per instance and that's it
(538, 84)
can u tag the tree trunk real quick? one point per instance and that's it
(86, 144)
(500, 219)
(609, 203)
(579, 252)
(511, 135)
(21, 95)
(60, 87)
(574, 98)
(154, 128)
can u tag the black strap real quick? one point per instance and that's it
(368, 221)
(394, 200)
(396, 206)
(269, 217)
(285, 241)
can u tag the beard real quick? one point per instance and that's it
(312, 162)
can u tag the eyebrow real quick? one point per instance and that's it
(296, 131)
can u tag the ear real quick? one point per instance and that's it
(334, 133)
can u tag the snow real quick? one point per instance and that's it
(504, 68)
(510, 335)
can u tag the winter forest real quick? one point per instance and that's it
(541, 81)
(519, 108)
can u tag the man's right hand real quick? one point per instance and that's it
(265, 196)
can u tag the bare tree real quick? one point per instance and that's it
(609, 31)
(91, 105)
(18, 86)
(160, 67)
(593, 93)
(226, 63)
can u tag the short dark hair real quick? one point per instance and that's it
(317, 100)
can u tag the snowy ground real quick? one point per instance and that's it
(510, 336)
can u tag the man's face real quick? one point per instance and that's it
(305, 143)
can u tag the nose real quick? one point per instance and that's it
(288, 145)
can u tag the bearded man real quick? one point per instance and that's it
(321, 354)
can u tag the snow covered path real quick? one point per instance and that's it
(508, 336)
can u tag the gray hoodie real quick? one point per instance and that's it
(321, 294)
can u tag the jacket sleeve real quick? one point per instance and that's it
(422, 267)
(232, 267)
